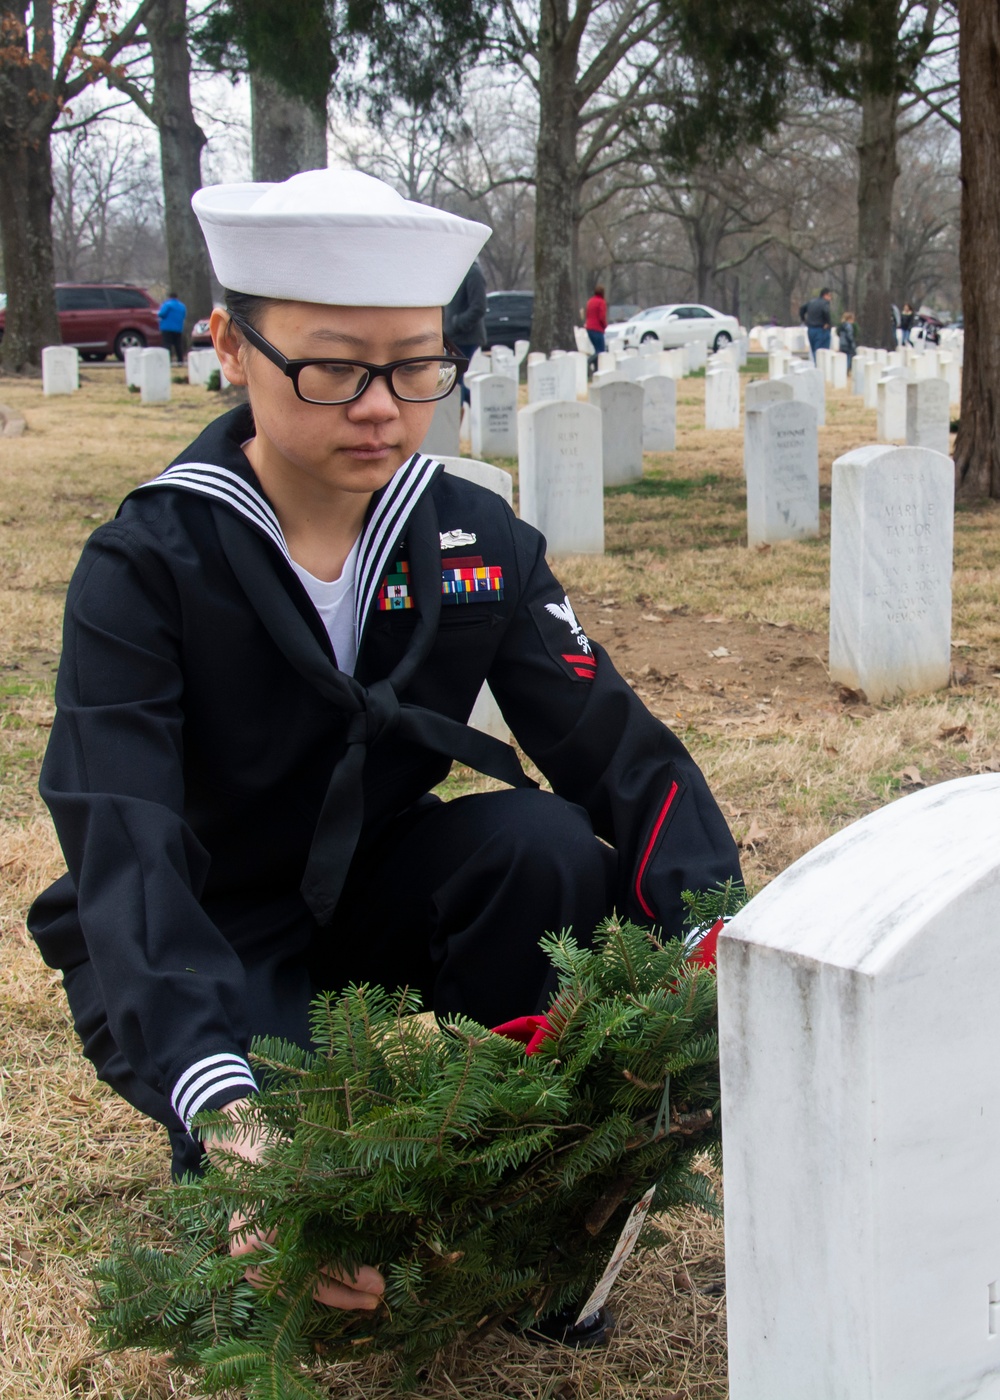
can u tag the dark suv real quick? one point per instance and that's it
(508, 317)
(103, 318)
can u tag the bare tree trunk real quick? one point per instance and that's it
(26, 188)
(289, 135)
(878, 172)
(181, 143)
(556, 182)
(977, 449)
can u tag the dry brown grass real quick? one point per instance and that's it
(77, 1160)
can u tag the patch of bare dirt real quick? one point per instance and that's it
(721, 670)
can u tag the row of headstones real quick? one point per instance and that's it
(890, 541)
(856, 995)
(636, 416)
(147, 369)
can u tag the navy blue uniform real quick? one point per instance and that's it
(243, 824)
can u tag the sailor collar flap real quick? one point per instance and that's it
(387, 519)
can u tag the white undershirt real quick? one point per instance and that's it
(335, 604)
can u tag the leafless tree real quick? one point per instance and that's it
(977, 449)
(107, 206)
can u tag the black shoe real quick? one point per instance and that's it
(562, 1327)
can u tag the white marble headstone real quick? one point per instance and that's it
(154, 375)
(484, 474)
(479, 362)
(521, 348)
(722, 398)
(675, 363)
(659, 413)
(838, 370)
(493, 415)
(778, 363)
(892, 408)
(60, 370)
(132, 354)
(443, 434)
(697, 353)
(861, 1123)
(782, 471)
(891, 534)
(201, 364)
(808, 387)
(621, 406)
(606, 362)
(928, 416)
(561, 475)
(950, 369)
(761, 392)
(580, 361)
(554, 378)
(502, 361)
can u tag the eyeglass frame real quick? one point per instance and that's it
(293, 368)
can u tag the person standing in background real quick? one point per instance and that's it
(596, 323)
(848, 337)
(815, 315)
(464, 318)
(906, 323)
(172, 314)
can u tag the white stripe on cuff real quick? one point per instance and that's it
(202, 1079)
(196, 1105)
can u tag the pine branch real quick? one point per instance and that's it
(483, 1183)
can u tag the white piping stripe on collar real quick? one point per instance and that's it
(384, 529)
(380, 535)
(224, 485)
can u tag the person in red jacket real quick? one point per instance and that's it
(596, 322)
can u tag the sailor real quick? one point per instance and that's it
(269, 658)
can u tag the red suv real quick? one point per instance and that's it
(101, 318)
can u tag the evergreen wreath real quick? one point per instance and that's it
(485, 1183)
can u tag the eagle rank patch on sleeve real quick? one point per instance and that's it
(564, 638)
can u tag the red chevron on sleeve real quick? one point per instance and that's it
(585, 666)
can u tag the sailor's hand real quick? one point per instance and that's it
(335, 1289)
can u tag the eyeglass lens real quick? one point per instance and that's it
(420, 381)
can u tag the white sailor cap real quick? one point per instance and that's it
(336, 237)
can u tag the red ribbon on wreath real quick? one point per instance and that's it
(533, 1031)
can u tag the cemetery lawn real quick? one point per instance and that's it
(727, 645)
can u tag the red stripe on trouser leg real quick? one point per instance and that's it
(649, 849)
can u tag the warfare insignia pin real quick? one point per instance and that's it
(454, 539)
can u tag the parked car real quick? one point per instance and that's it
(201, 336)
(508, 317)
(676, 324)
(104, 318)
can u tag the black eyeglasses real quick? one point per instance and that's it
(419, 380)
